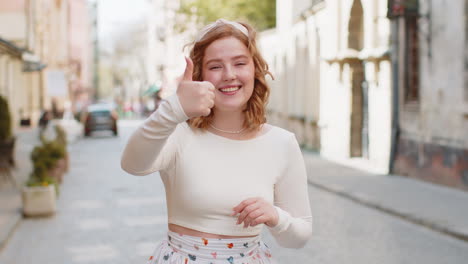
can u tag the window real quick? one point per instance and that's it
(402, 8)
(409, 42)
(411, 72)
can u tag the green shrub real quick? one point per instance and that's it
(47, 154)
(5, 120)
(45, 157)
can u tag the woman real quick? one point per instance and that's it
(226, 172)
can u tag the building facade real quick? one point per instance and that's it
(81, 54)
(51, 21)
(45, 55)
(20, 64)
(379, 85)
(431, 69)
(333, 86)
(293, 61)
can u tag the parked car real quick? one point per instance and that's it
(100, 117)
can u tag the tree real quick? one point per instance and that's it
(260, 13)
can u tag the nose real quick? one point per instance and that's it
(228, 73)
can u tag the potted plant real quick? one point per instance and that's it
(49, 166)
(62, 140)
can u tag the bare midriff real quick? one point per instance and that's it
(191, 232)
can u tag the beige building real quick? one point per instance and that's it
(81, 53)
(45, 48)
(333, 78)
(20, 79)
(51, 22)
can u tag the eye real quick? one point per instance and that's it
(241, 63)
(214, 67)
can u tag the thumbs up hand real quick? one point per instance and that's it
(196, 98)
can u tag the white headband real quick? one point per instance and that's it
(218, 22)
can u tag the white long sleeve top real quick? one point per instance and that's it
(205, 175)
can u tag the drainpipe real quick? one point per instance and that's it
(395, 94)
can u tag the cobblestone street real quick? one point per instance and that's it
(106, 216)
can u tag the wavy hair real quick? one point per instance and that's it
(255, 113)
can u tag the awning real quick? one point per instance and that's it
(10, 48)
(31, 62)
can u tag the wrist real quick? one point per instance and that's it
(274, 222)
(175, 101)
(283, 221)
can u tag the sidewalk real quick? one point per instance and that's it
(10, 205)
(437, 207)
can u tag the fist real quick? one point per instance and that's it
(196, 98)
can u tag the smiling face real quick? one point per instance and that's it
(229, 66)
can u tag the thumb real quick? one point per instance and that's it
(188, 74)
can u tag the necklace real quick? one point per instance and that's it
(226, 131)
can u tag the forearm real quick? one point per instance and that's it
(144, 147)
(292, 232)
(294, 226)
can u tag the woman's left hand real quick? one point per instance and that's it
(254, 211)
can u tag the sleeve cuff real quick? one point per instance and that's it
(173, 100)
(283, 221)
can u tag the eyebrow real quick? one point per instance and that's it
(233, 58)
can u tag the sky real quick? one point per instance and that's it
(115, 14)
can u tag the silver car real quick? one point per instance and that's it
(100, 117)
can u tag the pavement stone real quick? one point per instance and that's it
(437, 207)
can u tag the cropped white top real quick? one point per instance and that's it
(206, 175)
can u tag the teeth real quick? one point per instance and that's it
(231, 89)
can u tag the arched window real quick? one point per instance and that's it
(356, 27)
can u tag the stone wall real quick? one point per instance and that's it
(433, 141)
(433, 162)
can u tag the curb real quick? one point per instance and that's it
(391, 211)
(9, 230)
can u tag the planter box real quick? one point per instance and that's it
(39, 201)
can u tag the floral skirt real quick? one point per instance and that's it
(183, 249)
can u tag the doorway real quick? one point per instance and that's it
(359, 123)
